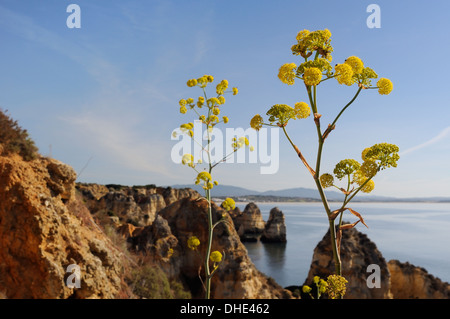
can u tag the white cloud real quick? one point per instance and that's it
(117, 142)
(444, 133)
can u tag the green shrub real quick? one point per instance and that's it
(14, 139)
(150, 282)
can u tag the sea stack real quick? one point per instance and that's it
(275, 230)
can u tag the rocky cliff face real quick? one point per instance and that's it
(275, 229)
(237, 277)
(411, 282)
(44, 228)
(357, 253)
(132, 205)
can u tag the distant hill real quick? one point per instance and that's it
(300, 194)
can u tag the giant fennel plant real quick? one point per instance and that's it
(207, 111)
(314, 50)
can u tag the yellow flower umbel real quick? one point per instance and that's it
(344, 74)
(312, 76)
(188, 159)
(216, 256)
(256, 122)
(228, 204)
(286, 73)
(222, 87)
(356, 64)
(302, 110)
(336, 286)
(326, 180)
(206, 178)
(281, 113)
(385, 86)
(193, 242)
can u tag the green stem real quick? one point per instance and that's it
(336, 257)
(208, 250)
(345, 107)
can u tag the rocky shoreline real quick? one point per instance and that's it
(120, 237)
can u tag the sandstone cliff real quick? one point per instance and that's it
(133, 205)
(237, 277)
(44, 228)
(411, 282)
(397, 280)
(357, 252)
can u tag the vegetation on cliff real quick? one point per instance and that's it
(14, 139)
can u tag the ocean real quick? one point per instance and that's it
(418, 233)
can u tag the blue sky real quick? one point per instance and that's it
(104, 98)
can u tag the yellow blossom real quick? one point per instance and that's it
(225, 119)
(356, 64)
(302, 35)
(192, 82)
(222, 87)
(235, 91)
(336, 286)
(182, 102)
(228, 204)
(193, 242)
(302, 110)
(306, 289)
(326, 180)
(312, 76)
(369, 168)
(216, 256)
(256, 122)
(183, 109)
(213, 101)
(286, 73)
(187, 159)
(216, 111)
(221, 100)
(344, 74)
(385, 86)
(346, 167)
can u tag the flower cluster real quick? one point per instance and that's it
(206, 179)
(308, 42)
(228, 204)
(213, 104)
(216, 256)
(321, 287)
(375, 158)
(193, 243)
(353, 71)
(281, 114)
(385, 86)
(256, 122)
(286, 73)
(336, 286)
(239, 142)
(312, 71)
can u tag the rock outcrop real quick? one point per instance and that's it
(275, 229)
(357, 253)
(411, 282)
(249, 224)
(44, 228)
(237, 277)
(134, 205)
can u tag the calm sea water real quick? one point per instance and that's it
(415, 232)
